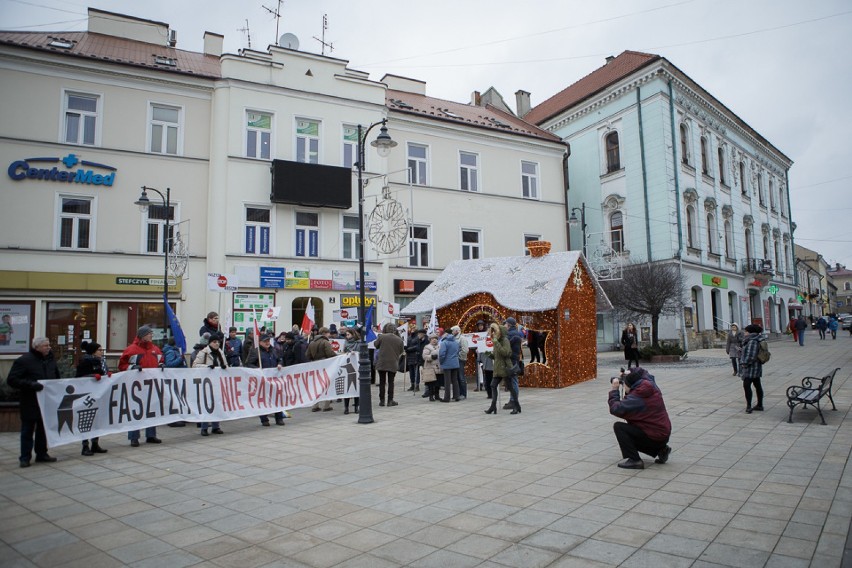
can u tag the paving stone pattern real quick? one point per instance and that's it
(446, 485)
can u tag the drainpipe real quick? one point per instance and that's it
(790, 226)
(644, 175)
(677, 205)
(567, 187)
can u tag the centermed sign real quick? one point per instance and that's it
(78, 409)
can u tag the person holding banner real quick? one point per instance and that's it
(390, 348)
(26, 372)
(264, 357)
(142, 354)
(320, 348)
(353, 345)
(233, 348)
(93, 363)
(211, 357)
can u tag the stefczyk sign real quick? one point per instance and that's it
(31, 168)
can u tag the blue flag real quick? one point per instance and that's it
(177, 332)
(370, 335)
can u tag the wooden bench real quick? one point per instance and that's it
(811, 391)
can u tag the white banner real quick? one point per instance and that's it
(78, 409)
(271, 314)
(222, 282)
(480, 341)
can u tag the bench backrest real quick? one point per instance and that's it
(825, 383)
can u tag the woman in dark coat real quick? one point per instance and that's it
(93, 363)
(502, 356)
(630, 341)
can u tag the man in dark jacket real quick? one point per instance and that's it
(26, 372)
(516, 339)
(751, 369)
(648, 427)
(295, 349)
(265, 358)
(801, 326)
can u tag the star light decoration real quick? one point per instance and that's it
(538, 285)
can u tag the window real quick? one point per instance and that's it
(847, 286)
(772, 195)
(684, 144)
(258, 230)
(721, 155)
(469, 171)
(417, 161)
(307, 234)
(124, 318)
(156, 239)
(418, 246)
(529, 179)
(729, 240)
(66, 324)
(527, 238)
(258, 135)
(765, 247)
(777, 250)
(760, 190)
(782, 201)
(307, 141)
(712, 237)
(350, 145)
(705, 157)
(350, 237)
(749, 254)
(75, 223)
(471, 244)
(613, 153)
(787, 259)
(743, 187)
(165, 129)
(691, 226)
(616, 232)
(81, 118)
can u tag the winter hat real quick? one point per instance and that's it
(736, 325)
(204, 339)
(633, 377)
(455, 329)
(511, 322)
(289, 335)
(90, 347)
(332, 328)
(215, 337)
(143, 331)
(754, 328)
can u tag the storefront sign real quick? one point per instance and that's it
(714, 281)
(410, 286)
(29, 168)
(354, 301)
(321, 279)
(298, 279)
(253, 301)
(272, 277)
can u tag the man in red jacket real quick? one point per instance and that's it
(648, 427)
(142, 354)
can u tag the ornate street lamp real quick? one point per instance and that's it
(144, 203)
(383, 144)
(574, 222)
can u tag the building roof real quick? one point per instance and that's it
(520, 283)
(100, 47)
(616, 69)
(488, 117)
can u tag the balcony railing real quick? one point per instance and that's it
(758, 266)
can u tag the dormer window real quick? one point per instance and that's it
(401, 104)
(163, 60)
(61, 43)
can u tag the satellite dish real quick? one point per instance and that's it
(288, 40)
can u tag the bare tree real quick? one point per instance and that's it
(647, 291)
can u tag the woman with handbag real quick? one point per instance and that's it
(502, 357)
(431, 368)
(630, 341)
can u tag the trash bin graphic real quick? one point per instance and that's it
(86, 419)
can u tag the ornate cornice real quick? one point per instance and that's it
(727, 211)
(748, 220)
(612, 202)
(690, 195)
(765, 228)
(710, 204)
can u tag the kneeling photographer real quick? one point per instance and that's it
(648, 427)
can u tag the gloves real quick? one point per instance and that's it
(434, 356)
(38, 387)
(98, 377)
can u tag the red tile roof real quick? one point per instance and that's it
(488, 117)
(117, 50)
(623, 65)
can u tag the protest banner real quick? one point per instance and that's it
(83, 408)
(480, 341)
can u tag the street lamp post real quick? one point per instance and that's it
(573, 221)
(383, 144)
(143, 202)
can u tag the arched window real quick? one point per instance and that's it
(765, 247)
(760, 190)
(613, 153)
(684, 144)
(722, 179)
(691, 226)
(616, 231)
(748, 244)
(772, 195)
(787, 259)
(847, 286)
(705, 157)
(743, 187)
(777, 256)
(712, 237)
(729, 240)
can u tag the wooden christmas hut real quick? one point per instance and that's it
(554, 295)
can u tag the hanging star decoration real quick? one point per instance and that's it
(514, 270)
(443, 286)
(537, 285)
(578, 277)
(486, 267)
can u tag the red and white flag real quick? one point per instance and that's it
(308, 321)
(256, 329)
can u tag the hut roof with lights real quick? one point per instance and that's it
(555, 294)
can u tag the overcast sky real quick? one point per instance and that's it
(783, 66)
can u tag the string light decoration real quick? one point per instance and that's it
(570, 346)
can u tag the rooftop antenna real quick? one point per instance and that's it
(277, 14)
(322, 41)
(246, 31)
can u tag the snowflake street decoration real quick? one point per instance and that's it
(387, 226)
(178, 257)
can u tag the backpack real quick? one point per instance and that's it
(763, 353)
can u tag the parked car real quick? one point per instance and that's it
(845, 322)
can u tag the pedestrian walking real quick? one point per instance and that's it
(751, 369)
(501, 357)
(801, 326)
(734, 346)
(630, 341)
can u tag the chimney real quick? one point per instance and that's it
(213, 44)
(522, 102)
(609, 59)
(172, 38)
(476, 99)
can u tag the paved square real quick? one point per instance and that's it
(446, 485)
